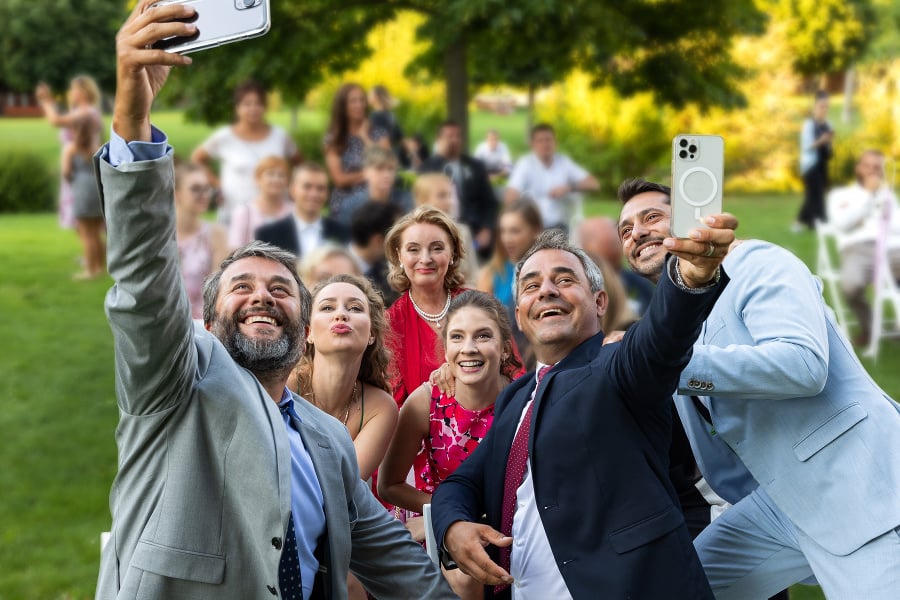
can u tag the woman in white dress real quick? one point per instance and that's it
(239, 148)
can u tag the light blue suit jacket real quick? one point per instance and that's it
(793, 402)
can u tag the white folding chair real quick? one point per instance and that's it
(430, 541)
(885, 291)
(828, 270)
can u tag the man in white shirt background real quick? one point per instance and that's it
(494, 154)
(305, 229)
(549, 178)
(859, 213)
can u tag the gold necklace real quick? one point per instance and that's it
(349, 402)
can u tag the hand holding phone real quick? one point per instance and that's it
(697, 177)
(218, 22)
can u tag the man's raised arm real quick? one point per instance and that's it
(147, 307)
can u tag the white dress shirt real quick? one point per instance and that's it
(309, 235)
(532, 564)
(532, 178)
(857, 214)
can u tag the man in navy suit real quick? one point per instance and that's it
(573, 475)
(306, 229)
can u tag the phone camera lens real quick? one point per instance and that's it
(692, 149)
(683, 154)
(683, 143)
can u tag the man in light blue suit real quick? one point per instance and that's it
(782, 389)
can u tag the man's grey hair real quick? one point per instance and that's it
(257, 250)
(556, 239)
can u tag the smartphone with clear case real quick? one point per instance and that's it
(697, 171)
(219, 22)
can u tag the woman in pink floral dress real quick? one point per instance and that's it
(447, 428)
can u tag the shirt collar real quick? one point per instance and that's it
(303, 226)
(287, 402)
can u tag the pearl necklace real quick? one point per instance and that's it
(437, 318)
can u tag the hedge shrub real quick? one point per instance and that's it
(27, 185)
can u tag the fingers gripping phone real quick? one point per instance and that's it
(219, 22)
(697, 172)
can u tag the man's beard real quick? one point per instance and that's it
(260, 355)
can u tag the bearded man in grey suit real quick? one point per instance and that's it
(219, 493)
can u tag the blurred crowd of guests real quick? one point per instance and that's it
(336, 217)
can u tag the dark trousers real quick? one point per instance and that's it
(815, 181)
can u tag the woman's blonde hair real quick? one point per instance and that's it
(306, 265)
(376, 360)
(90, 88)
(430, 216)
(423, 185)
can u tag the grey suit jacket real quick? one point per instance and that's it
(202, 497)
(792, 401)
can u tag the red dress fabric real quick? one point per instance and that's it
(417, 349)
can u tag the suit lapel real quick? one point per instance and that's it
(566, 375)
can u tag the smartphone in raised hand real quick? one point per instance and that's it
(697, 176)
(219, 22)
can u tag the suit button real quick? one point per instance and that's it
(702, 385)
(272, 590)
(692, 384)
(276, 543)
(710, 387)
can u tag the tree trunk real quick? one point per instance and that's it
(295, 121)
(456, 76)
(529, 119)
(849, 83)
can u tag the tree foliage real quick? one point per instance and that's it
(54, 40)
(825, 36)
(678, 49)
(307, 41)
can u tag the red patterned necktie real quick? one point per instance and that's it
(515, 472)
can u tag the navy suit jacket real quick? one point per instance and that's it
(283, 233)
(599, 444)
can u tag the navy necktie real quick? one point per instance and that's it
(289, 568)
(289, 579)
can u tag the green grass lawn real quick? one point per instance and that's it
(58, 408)
(35, 135)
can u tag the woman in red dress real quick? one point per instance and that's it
(424, 249)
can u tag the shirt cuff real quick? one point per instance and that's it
(122, 152)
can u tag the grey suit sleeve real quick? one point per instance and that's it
(147, 306)
(386, 559)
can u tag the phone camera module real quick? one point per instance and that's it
(245, 4)
(692, 149)
(683, 154)
(683, 143)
